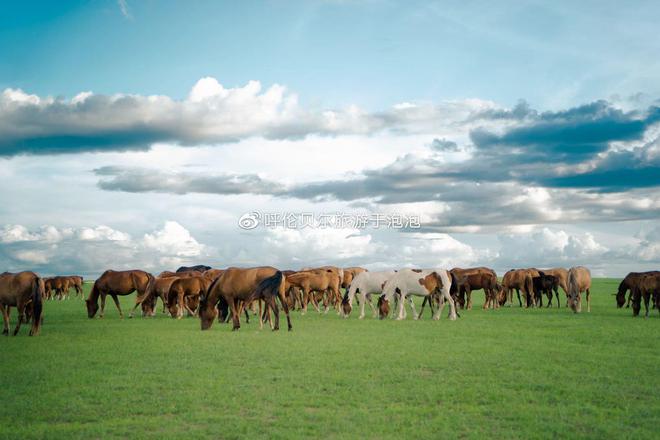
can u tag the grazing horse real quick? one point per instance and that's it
(268, 291)
(418, 282)
(183, 288)
(630, 283)
(474, 279)
(364, 284)
(579, 280)
(160, 288)
(648, 285)
(25, 291)
(517, 279)
(545, 284)
(319, 280)
(233, 287)
(197, 268)
(349, 275)
(458, 293)
(117, 283)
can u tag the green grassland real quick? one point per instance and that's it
(508, 373)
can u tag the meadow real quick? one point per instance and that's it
(508, 373)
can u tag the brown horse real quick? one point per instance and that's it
(562, 277)
(234, 287)
(648, 286)
(117, 283)
(579, 280)
(317, 280)
(76, 281)
(160, 288)
(25, 291)
(630, 283)
(545, 284)
(517, 279)
(467, 280)
(59, 284)
(182, 289)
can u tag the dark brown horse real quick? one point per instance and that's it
(630, 283)
(649, 285)
(117, 283)
(545, 284)
(234, 287)
(25, 291)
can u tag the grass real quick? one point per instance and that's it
(509, 373)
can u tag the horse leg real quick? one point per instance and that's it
(5, 319)
(518, 293)
(20, 308)
(261, 317)
(421, 310)
(116, 300)
(235, 314)
(103, 295)
(402, 308)
(646, 297)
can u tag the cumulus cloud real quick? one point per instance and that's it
(211, 113)
(91, 250)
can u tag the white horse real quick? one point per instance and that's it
(364, 284)
(420, 282)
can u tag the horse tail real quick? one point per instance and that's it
(148, 290)
(271, 286)
(37, 305)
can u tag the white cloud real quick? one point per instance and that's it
(174, 240)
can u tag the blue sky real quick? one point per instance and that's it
(136, 134)
(332, 53)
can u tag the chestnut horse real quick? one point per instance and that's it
(579, 280)
(117, 283)
(25, 291)
(319, 280)
(182, 289)
(234, 287)
(475, 278)
(518, 279)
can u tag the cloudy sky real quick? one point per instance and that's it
(136, 134)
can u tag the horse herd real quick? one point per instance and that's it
(223, 294)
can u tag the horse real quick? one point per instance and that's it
(364, 284)
(349, 274)
(25, 291)
(235, 286)
(474, 279)
(518, 279)
(197, 268)
(59, 284)
(648, 285)
(268, 291)
(319, 280)
(160, 288)
(579, 280)
(419, 282)
(562, 277)
(183, 288)
(545, 284)
(629, 283)
(117, 283)
(76, 281)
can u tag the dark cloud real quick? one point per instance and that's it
(137, 180)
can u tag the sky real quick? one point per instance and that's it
(138, 134)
